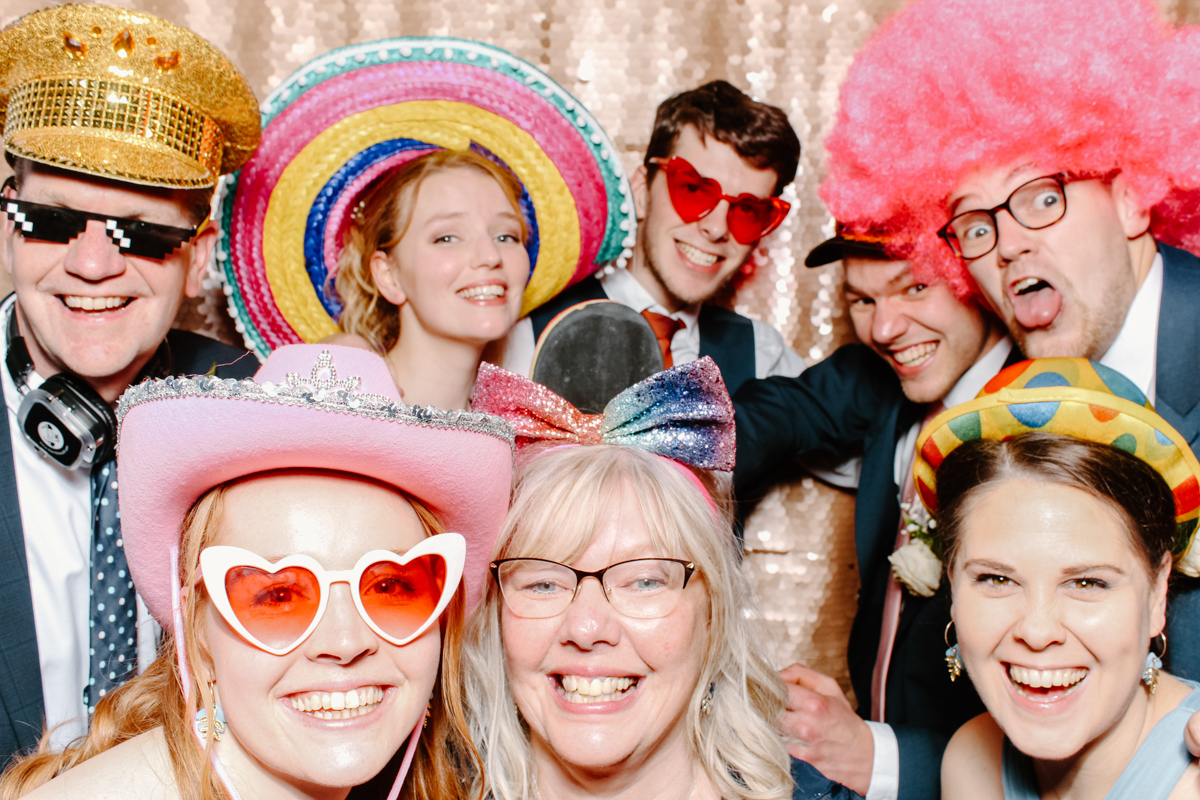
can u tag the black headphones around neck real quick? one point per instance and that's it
(65, 418)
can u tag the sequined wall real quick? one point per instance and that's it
(621, 58)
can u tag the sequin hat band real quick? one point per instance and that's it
(683, 414)
(183, 144)
(310, 407)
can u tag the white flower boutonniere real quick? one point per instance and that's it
(917, 564)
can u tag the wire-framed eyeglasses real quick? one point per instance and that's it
(643, 588)
(1034, 205)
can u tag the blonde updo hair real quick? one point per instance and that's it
(386, 214)
(155, 699)
(559, 500)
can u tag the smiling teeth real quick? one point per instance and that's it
(696, 256)
(489, 292)
(1046, 678)
(595, 690)
(916, 353)
(1025, 283)
(93, 303)
(339, 705)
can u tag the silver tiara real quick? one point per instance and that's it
(321, 390)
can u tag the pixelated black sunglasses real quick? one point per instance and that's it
(60, 225)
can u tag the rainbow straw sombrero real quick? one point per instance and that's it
(342, 120)
(1079, 398)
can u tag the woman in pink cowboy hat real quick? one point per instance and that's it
(290, 534)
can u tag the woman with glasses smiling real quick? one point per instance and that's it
(632, 665)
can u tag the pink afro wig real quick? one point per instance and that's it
(1087, 88)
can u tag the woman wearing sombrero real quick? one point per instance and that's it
(444, 187)
(309, 545)
(1063, 503)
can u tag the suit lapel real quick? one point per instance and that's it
(20, 670)
(1177, 381)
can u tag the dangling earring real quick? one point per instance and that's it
(217, 716)
(706, 704)
(1154, 664)
(428, 716)
(953, 655)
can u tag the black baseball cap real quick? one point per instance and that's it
(846, 244)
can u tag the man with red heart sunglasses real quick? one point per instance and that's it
(707, 192)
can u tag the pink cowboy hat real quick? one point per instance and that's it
(309, 406)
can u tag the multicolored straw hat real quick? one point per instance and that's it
(123, 94)
(1074, 397)
(343, 120)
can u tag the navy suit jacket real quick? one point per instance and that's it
(854, 398)
(22, 715)
(1177, 390)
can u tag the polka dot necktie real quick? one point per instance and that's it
(113, 649)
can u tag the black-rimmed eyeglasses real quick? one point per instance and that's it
(1034, 205)
(644, 588)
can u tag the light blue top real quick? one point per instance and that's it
(1151, 775)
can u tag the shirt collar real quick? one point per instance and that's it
(982, 371)
(622, 287)
(1135, 350)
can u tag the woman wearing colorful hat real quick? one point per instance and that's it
(301, 538)
(1063, 503)
(614, 654)
(338, 196)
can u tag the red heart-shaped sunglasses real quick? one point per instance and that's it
(694, 197)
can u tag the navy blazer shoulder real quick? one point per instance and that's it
(854, 398)
(21, 708)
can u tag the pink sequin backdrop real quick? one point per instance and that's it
(621, 58)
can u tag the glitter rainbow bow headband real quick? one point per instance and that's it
(683, 414)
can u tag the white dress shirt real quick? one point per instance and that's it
(57, 519)
(1134, 353)
(885, 769)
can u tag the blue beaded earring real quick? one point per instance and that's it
(953, 656)
(1154, 664)
(217, 717)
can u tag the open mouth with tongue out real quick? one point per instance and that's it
(1035, 302)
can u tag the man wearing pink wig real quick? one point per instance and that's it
(1043, 155)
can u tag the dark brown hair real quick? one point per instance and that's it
(760, 133)
(1130, 486)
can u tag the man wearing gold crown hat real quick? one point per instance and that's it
(117, 125)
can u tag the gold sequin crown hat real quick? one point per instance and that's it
(123, 94)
